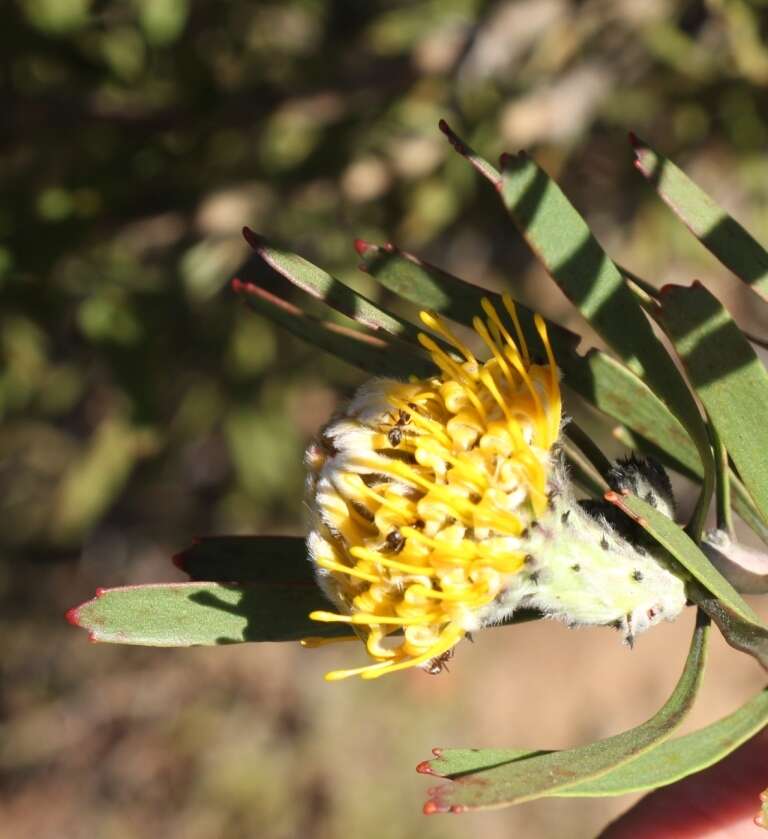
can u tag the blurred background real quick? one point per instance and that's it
(141, 404)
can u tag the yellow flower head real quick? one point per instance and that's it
(422, 493)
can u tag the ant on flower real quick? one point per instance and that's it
(395, 434)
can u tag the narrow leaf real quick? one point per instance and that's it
(548, 773)
(676, 759)
(564, 244)
(749, 637)
(430, 287)
(664, 764)
(332, 291)
(482, 166)
(622, 395)
(375, 354)
(190, 614)
(728, 377)
(721, 234)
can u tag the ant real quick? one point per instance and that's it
(439, 663)
(395, 434)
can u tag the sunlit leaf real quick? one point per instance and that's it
(710, 224)
(728, 377)
(207, 613)
(664, 764)
(676, 759)
(535, 775)
(429, 287)
(332, 291)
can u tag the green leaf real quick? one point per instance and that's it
(543, 774)
(728, 377)
(721, 234)
(620, 394)
(430, 287)
(483, 166)
(749, 637)
(190, 614)
(375, 354)
(664, 764)
(563, 242)
(332, 291)
(676, 759)
(245, 559)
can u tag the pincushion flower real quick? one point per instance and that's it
(442, 505)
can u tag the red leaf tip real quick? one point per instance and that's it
(671, 288)
(434, 805)
(453, 138)
(424, 768)
(362, 247)
(241, 286)
(71, 616)
(251, 237)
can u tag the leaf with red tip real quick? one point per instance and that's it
(244, 559)
(190, 614)
(377, 355)
(728, 377)
(721, 234)
(332, 291)
(429, 287)
(549, 773)
(482, 166)
(667, 763)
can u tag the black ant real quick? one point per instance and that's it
(395, 541)
(395, 434)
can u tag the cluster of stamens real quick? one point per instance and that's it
(422, 493)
